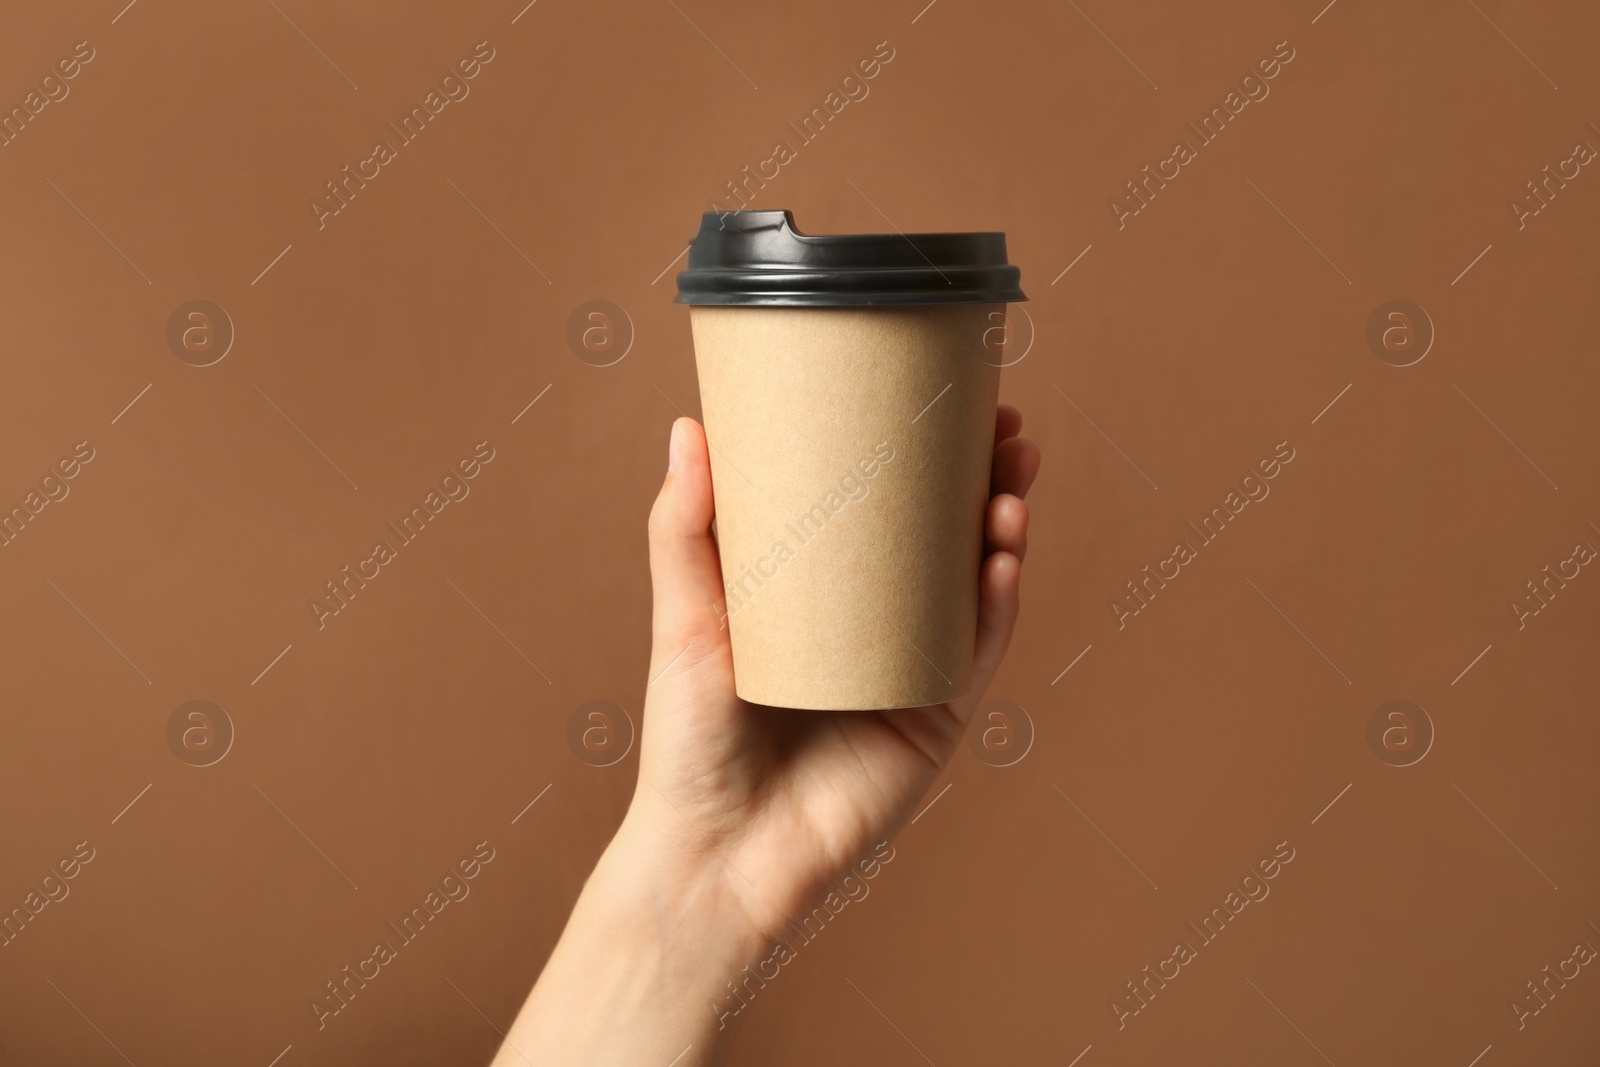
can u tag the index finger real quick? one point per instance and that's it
(1007, 422)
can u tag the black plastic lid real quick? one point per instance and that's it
(758, 258)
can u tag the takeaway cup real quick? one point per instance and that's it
(848, 385)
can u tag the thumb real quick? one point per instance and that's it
(685, 571)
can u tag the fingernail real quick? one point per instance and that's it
(674, 445)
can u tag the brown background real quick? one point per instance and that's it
(1222, 720)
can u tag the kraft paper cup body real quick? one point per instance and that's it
(850, 457)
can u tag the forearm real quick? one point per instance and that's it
(647, 953)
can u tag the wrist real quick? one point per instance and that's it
(653, 937)
(682, 894)
(670, 910)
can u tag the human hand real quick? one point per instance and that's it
(782, 802)
(743, 815)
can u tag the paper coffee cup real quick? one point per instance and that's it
(848, 385)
